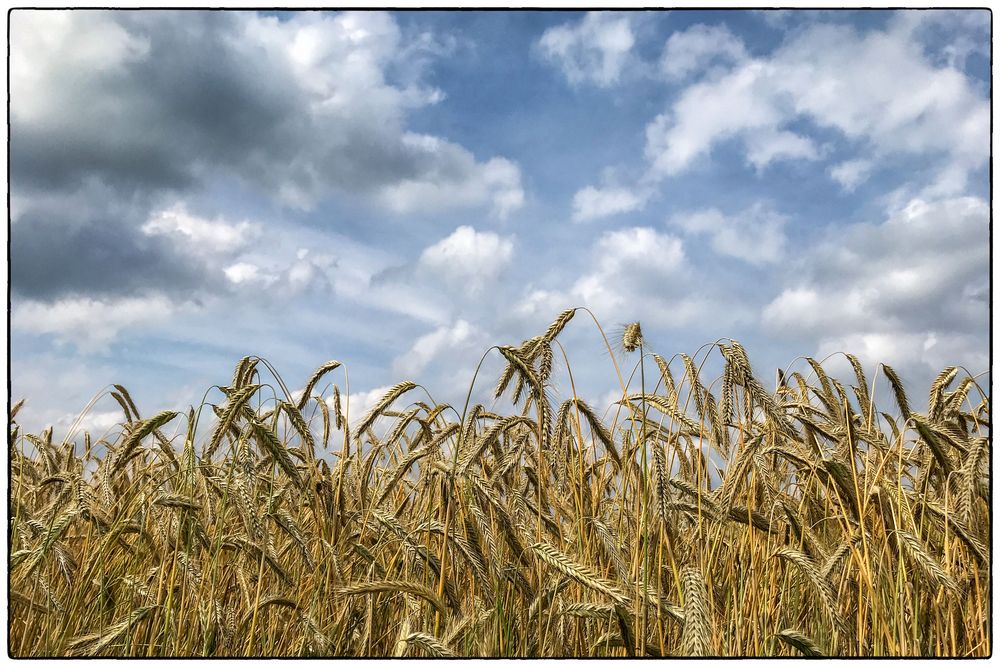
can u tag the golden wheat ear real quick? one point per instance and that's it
(801, 642)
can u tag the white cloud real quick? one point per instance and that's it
(201, 235)
(540, 303)
(692, 50)
(250, 274)
(90, 324)
(458, 180)
(595, 49)
(852, 173)
(286, 278)
(634, 273)
(591, 203)
(94, 422)
(366, 40)
(920, 275)
(877, 87)
(304, 275)
(638, 249)
(605, 403)
(54, 385)
(468, 258)
(755, 235)
(766, 146)
(703, 115)
(374, 277)
(910, 353)
(451, 340)
(810, 309)
(357, 404)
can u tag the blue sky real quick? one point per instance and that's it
(400, 191)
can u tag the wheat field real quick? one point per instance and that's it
(696, 516)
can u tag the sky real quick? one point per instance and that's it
(402, 191)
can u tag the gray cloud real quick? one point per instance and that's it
(901, 290)
(146, 108)
(89, 242)
(144, 116)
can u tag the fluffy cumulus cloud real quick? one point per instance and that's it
(460, 339)
(201, 235)
(915, 354)
(635, 272)
(878, 88)
(638, 249)
(458, 181)
(693, 50)
(909, 287)
(242, 273)
(703, 115)
(853, 102)
(766, 146)
(629, 260)
(851, 173)
(56, 389)
(592, 203)
(357, 404)
(593, 50)
(91, 324)
(755, 235)
(467, 258)
(282, 278)
(98, 421)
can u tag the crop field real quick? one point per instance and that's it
(696, 516)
